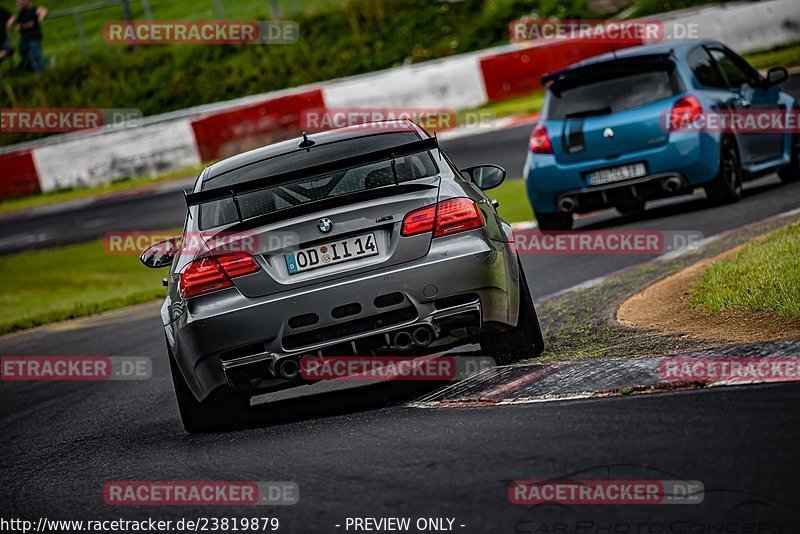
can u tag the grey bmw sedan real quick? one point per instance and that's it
(361, 241)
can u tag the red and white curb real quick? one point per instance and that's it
(760, 363)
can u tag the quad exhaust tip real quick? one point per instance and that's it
(289, 368)
(421, 336)
(403, 340)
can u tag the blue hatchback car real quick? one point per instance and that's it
(606, 137)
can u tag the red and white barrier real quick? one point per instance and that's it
(229, 132)
(186, 138)
(201, 135)
(19, 177)
(88, 160)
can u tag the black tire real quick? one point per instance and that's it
(226, 413)
(727, 186)
(554, 221)
(524, 340)
(791, 173)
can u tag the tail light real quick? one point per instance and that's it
(444, 218)
(684, 112)
(540, 141)
(215, 272)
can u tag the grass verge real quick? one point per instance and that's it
(788, 56)
(53, 285)
(781, 56)
(582, 324)
(514, 205)
(521, 105)
(763, 276)
(63, 195)
(77, 280)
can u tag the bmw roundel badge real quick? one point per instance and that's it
(324, 225)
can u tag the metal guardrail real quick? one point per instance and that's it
(77, 11)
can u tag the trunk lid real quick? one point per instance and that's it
(608, 136)
(608, 109)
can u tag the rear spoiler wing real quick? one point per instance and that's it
(580, 71)
(234, 190)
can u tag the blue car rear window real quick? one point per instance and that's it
(612, 92)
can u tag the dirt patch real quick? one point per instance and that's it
(666, 308)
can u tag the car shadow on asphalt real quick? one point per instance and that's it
(343, 401)
(691, 204)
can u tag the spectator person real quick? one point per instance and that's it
(6, 50)
(29, 22)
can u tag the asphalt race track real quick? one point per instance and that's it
(366, 455)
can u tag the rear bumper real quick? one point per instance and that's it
(224, 338)
(691, 157)
(641, 189)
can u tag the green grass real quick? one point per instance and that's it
(63, 41)
(52, 285)
(764, 276)
(514, 205)
(337, 38)
(781, 56)
(127, 184)
(521, 105)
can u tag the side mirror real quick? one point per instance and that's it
(160, 254)
(486, 176)
(776, 75)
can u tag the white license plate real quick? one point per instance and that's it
(617, 174)
(331, 253)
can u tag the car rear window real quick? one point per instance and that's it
(297, 193)
(612, 91)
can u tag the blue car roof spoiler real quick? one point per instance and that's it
(234, 190)
(579, 72)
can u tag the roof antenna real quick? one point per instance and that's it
(306, 143)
